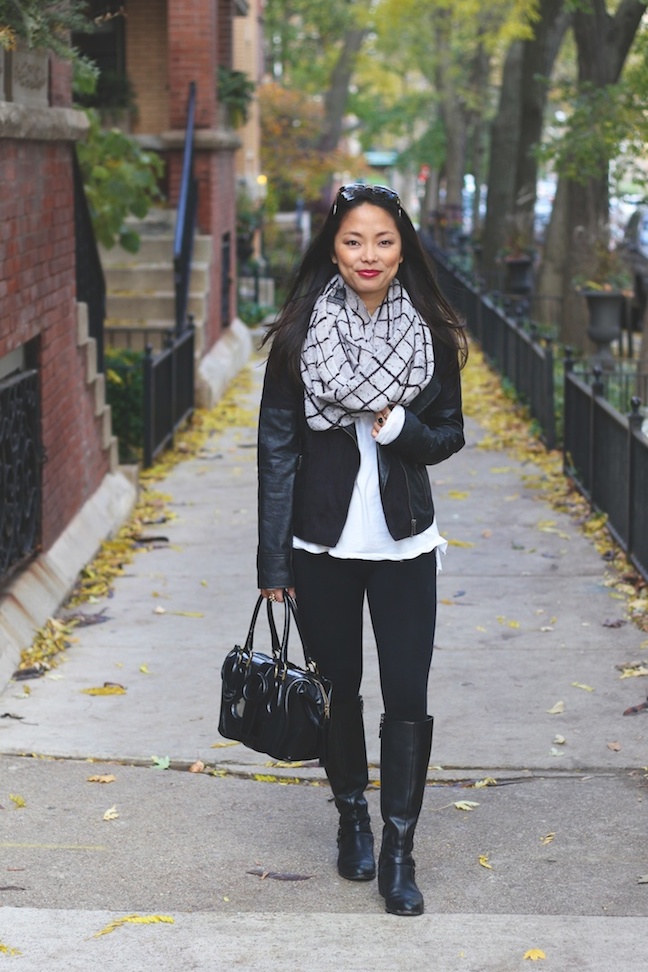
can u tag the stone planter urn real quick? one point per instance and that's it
(605, 309)
(519, 275)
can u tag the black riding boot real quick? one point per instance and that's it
(346, 768)
(405, 754)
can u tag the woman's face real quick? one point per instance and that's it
(368, 251)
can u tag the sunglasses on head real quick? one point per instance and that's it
(360, 190)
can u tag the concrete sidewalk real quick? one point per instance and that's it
(525, 689)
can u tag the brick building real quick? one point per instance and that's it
(160, 47)
(61, 491)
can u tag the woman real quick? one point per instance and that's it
(362, 393)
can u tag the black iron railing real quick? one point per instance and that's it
(168, 391)
(21, 460)
(90, 283)
(186, 219)
(226, 278)
(517, 349)
(606, 456)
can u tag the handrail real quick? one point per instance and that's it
(90, 281)
(186, 218)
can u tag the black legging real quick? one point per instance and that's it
(402, 602)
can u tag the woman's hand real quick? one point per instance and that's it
(381, 418)
(277, 593)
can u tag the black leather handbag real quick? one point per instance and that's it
(268, 703)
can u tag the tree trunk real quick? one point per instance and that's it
(505, 139)
(453, 115)
(603, 42)
(538, 59)
(335, 99)
(479, 83)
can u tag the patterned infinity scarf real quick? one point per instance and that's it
(353, 363)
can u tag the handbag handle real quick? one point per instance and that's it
(279, 648)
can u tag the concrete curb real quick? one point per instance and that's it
(42, 587)
(221, 365)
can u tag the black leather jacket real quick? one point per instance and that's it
(306, 478)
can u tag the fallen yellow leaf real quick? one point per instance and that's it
(487, 781)
(483, 860)
(144, 670)
(457, 494)
(557, 708)
(465, 804)
(6, 950)
(534, 954)
(187, 614)
(105, 690)
(547, 838)
(586, 688)
(134, 920)
(460, 543)
(18, 800)
(109, 778)
(633, 671)
(111, 814)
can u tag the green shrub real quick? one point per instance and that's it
(125, 395)
(252, 313)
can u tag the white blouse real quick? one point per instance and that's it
(365, 535)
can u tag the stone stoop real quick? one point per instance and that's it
(140, 296)
(96, 381)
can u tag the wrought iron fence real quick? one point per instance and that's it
(21, 460)
(515, 347)
(168, 391)
(606, 455)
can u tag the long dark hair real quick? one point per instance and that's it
(316, 269)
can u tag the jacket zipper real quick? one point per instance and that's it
(409, 501)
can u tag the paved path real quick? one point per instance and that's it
(522, 617)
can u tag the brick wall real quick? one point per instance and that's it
(225, 40)
(37, 284)
(146, 60)
(192, 26)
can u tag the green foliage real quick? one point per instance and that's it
(600, 266)
(43, 24)
(120, 179)
(112, 91)
(304, 39)
(252, 313)
(236, 91)
(603, 123)
(291, 124)
(125, 395)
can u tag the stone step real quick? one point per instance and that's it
(151, 278)
(137, 335)
(155, 249)
(157, 221)
(140, 308)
